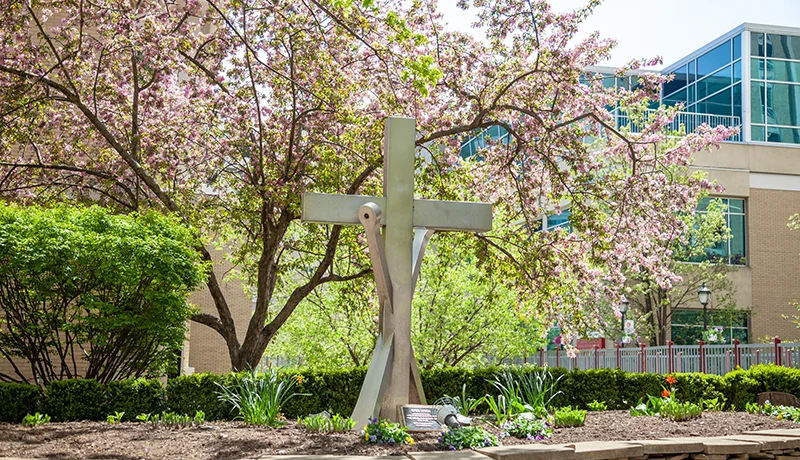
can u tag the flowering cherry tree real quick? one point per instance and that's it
(225, 111)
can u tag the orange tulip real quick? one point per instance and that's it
(665, 393)
(670, 380)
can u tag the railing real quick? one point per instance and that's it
(685, 122)
(711, 359)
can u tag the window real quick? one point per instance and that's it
(775, 107)
(470, 147)
(732, 250)
(555, 222)
(687, 325)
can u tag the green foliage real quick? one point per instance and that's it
(75, 399)
(335, 325)
(696, 387)
(135, 396)
(742, 388)
(780, 412)
(567, 417)
(464, 403)
(112, 288)
(324, 424)
(597, 406)
(171, 420)
(679, 411)
(526, 428)
(18, 399)
(116, 417)
(384, 431)
(188, 393)
(776, 378)
(259, 398)
(35, 419)
(468, 437)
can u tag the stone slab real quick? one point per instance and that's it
(670, 447)
(792, 433)
(447, 455)
(769, 442)
(599, 450)
(530, 452)
(720, 446)
(324, 457)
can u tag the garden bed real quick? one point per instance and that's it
(233, 440)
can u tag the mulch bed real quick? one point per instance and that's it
(233, 440)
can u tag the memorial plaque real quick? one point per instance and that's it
(420, 418)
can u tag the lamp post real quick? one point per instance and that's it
(623, 308)
(704, 294)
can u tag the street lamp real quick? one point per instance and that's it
(623, 308)
(704, 294)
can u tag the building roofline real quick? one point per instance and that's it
(747, 26)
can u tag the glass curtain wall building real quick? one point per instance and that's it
(752, 72)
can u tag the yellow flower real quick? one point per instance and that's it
(299, 379)
(780, 416)
(366, 436)
(410, 441)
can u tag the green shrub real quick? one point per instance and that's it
(679, 411)
(468, 437)
(567, 417)
(190, 393)
(74, 399)
(597, 406)
(333, 391)
(582, 387)
(525, 428)
(385, 431)
(17, 400)
(259, 398)
(696, 387)
(776, 378)
(35, 419)
(742, 389)
(135, 396)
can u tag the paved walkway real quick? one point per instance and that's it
(775, 444)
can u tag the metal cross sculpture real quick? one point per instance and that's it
(396, 254)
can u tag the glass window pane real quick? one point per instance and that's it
(737, 47)
(756, 44)
(757, 102)
(737, 236)
(714, 83)
(783, 135)
(718, 104)
(703, 204)
(783, 104)
(757, 68)
(714, 59)
(737, 71)
(737, 101)
(558, 220)
(736, 206)
(678, 81)
(783, 46)
(677, 98)
(691, 94)
(784, 70)
(691, 75)
(757, 133)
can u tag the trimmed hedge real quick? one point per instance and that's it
(337, 391)
(18, 400)
(134, 397)
(74, 399)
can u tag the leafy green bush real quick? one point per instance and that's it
(383, 431)
(324, 424)
(468, 437)
(135, 396)
(75, 399)
(189, 393)
(742, 389)
(597, 406)
(526, 428)
(259, 398)
(18, 399)
(567, 417)
(781, 412)
(333, 391)
(35, 419)
(679, 411)
(696, 387)
(776, 378)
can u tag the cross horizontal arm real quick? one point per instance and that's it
(432, 214)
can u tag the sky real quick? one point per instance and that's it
(669, 28)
